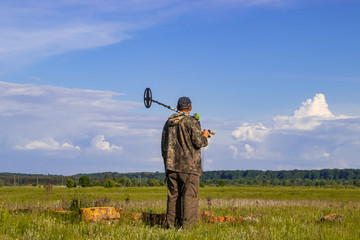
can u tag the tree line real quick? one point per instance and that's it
(221, 177)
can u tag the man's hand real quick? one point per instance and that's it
(206, 133)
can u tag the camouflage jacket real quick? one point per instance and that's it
(180, 144)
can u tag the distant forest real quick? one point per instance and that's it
(324, 177)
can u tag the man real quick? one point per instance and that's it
(181, 141)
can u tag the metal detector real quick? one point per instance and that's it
(148, 101)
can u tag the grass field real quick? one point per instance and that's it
(278, 213)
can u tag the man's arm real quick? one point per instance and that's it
(198, 137)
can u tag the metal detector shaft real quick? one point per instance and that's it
(148, 101)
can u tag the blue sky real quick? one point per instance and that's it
(278, 80)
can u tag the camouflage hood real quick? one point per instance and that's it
(175, 119)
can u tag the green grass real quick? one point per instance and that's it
(283, 193)
(281, 213)
(28, 194)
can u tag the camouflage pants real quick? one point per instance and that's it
(183, 202)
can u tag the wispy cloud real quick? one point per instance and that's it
(47, 144)
(235, 150)
(36, 29)
(53, 123)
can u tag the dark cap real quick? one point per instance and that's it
(184, 102)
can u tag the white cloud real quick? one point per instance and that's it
(235, 150)
(313, 136)
(255, 133)
(99, 143)
(248, 153)
(309, 116)
(249, 149)
(46, 144)
(314, 107)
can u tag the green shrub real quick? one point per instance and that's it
(98, 183)
(152, 182)
(1, 183)
(70, 183)
(222, 183)
(109, 183)
(84, 181)
(357, 182)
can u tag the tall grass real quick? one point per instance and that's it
(290, 216)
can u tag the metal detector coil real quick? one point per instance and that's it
(147, 98)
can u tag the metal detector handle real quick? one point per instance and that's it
(211, 133)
